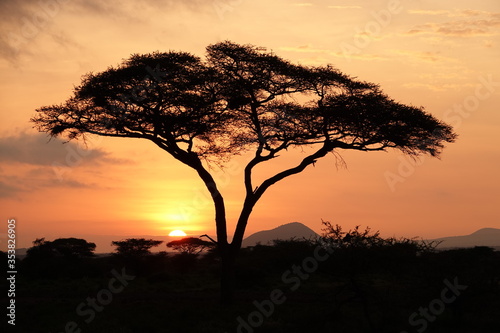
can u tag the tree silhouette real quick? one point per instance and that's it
(135, 247)
(61, 257)
(240, 98)
(61, 247)
(190, 245)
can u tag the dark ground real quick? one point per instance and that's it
(354, 290)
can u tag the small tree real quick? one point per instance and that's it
(135, 247)
(240, 98)
(63, 247)
(74, 247)
(190, 245)
(40, 249)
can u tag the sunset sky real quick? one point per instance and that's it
(443, 55)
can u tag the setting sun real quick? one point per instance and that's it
(177, 233)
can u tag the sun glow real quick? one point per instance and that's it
(177, 233)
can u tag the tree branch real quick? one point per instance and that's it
(252, 198)
(326, 148)
(211, 239)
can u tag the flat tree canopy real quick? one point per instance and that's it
(190, 245)
(240, 98)
(65, 247)
(135, 246)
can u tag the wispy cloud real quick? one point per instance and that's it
(426, 56)
(454, 13)
(438, 86)
(337, 54)
(38, 149)
(31, 162)
(304, 49)
(428, 12)
(344, 7)
(474, 23)
(9, 190)
(20, 182)
(23, 22)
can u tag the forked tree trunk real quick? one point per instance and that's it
(229, 252)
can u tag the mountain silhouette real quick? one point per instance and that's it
(283, 232)
(482, 237)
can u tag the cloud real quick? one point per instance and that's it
(39, 149)
(26, 180)
(345, 7)
(304, 49)
(337, 54)
(22, 22)
(438, 86)
(33, 162)
(454, 13)
(428, 12)
(426, 56)
(8, 190)
(475, 23)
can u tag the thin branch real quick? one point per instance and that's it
(327, 147)
(211, 239)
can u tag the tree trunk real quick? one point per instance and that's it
(227, 282)
(228, 253)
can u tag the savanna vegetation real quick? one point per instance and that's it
(240, 99)
(345, 281)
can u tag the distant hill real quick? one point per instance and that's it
(483, 237)
(284, 232)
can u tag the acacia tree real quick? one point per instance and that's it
(240, 98)
(135, 247)
(70, 248)
(190, 245)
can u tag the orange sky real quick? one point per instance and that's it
(442, 55)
